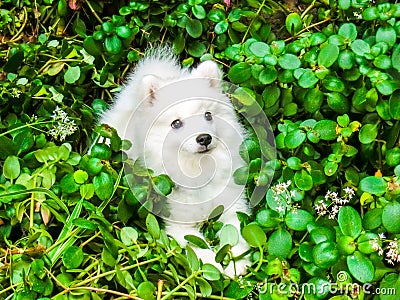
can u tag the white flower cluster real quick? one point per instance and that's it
(283, 196)
(392, 254)
(332, 203)
(63, 126)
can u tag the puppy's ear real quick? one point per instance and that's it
(150, 83)
(209, 70)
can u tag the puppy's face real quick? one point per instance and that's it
(193, 127)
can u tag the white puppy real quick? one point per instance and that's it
(181, 124)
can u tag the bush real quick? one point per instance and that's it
(324, 72)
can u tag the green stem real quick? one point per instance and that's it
(200, 296)
(91, 279)
(94, 12)
(24, 126)
(181, 285)
(251, 23)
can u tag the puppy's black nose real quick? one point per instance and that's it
(204, 139)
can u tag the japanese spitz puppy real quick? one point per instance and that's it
(181, 124)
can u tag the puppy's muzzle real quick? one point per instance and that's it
(204, 139)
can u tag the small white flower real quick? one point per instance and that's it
(63, 125)
(349, 192)
(280, 209)
(381, 235)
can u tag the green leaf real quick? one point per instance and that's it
(396, 57)
(390, 217)
(333, 84)
(11, 167)
(344, 5)
(103, 186)
(346, 59)
(113, 44)
(268, 75)
(322, 234)
(194, 28)
(308, 79)
(325, 254)
(394, 105)
(313, 98)
(349, 31)
(289, 61)
(80, 176)
(72, 257)
(152, 226)
(85, 224)
(86, 191)
(254, 235)
(326, 129)
(210, 272)
(259, 49)
(55, 68)
(229, 235)
(293, 23)
(349, 221)
(199, 12)
(295, 138)
(68, 184)
(360, 267)
(360, 47)
(123, 31)
(385, 87)
(197, 241)
(383, 62)
(221, 27)
(338, 102)
(162, 184)
(330, 168)
(368, 133)
(373, 219)
(328, 55)
(392, 157)
(391, 282)
(146, 290)
(205, 287)
(129, 236)
(241, 175)
(373, 185)
(72, 74)
(267, 218)
(14, 61)
(298, 219)
(303, 180)
(386, 34)
(240, 72)
(216, 15)
(370, 13)
(294, 163)
(196, 49)
(280, 243)
(192, 259)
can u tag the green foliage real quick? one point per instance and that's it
(74, 225)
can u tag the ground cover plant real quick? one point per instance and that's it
(326, 73)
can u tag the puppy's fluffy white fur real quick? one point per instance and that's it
(160, 92)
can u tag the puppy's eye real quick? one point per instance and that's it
(208, 116)
(176, 124)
